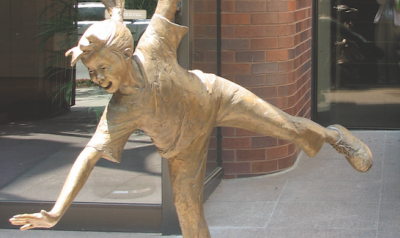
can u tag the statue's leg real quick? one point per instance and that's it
(187, 171)
(241, 108)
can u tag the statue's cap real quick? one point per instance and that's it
(99, 33)
(94, 38)
(76, 54)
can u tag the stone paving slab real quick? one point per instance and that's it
(319, 197)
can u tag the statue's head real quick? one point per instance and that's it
(110, 34)
(105, 49)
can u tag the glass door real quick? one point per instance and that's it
(41, 134)
(357, 79)
(49, 112)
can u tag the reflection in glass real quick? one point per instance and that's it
(53, 111)
(387, 32)
(38, 156)
(357, 77)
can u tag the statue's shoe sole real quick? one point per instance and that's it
(356, 152)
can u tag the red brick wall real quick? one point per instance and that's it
(266, 48)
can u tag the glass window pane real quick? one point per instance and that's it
(358, 63)
(52, 109)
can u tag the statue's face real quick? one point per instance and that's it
(107, 69)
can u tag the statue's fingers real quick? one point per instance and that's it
(26, 227)
(34, 215)
(19, 223)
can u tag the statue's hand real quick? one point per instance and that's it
(36, 220)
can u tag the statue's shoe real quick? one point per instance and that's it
(355, 151)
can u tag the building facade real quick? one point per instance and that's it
(332, 61)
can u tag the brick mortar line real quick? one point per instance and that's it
(297, 114)
(299, 87)
(281, 85)
(286, 72)
(305, 103)
(288, 108)
(265, 26)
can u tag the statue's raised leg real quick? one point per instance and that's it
(187, 171)
(241, 108)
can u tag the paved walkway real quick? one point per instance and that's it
(319, 197)
(36, 157)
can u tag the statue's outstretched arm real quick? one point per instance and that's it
(77, 177)
(167, 8)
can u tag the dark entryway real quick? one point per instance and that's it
(357, 68)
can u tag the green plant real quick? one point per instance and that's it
(57, 34)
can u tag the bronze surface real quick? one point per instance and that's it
(177, 108)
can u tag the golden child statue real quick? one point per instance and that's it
(178, 109)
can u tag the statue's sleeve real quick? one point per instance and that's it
(158, 46)
(112, 133)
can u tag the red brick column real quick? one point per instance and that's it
(266, 48)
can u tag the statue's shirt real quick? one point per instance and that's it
(173, 106)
